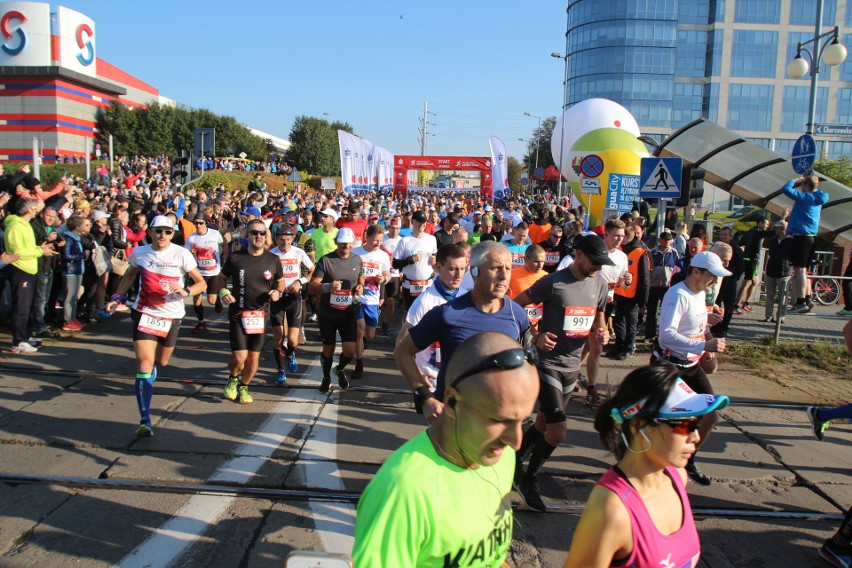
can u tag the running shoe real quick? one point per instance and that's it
(746, 308)
(341, 379)
(281, 377)
(385, 329)
(231, 388)
(817, 426)
(358, 373)
(738, 311)
(836, 555)
(696, 475)
(292, 364)
(302, 338)
(102, 314)
(200, 327)
(845, 313)
(530, 494)
(46, 333)
(325, 385)
(24, 348)
(122, 308)
(144, 430)
(312, 318)
(72, 325)
(244, 396)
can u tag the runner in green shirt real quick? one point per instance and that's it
(323, 236)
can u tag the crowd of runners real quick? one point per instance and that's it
(523, 288)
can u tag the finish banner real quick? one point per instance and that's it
(403, 165)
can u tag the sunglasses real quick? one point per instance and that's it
(257, 233)
(684, 426)
(200, 222)
(163, 231)
(287, 234)
(505, 360)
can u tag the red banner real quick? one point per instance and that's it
(402, 164)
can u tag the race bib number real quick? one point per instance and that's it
(690, 356)
(371, 269)
(534, 312)
(206, 263)
(417, 287)
(610, 292)
(518, 259)
(578, 321)
(551, 258)
(341, 300)
(153, 325)
(253, 322)
(290, 267)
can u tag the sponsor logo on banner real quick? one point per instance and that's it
(85, 29)
(10, 27)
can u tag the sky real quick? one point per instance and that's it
(479, 64)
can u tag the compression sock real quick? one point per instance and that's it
(144, 388)
(829, 414)
(359, 365)
(199, 313)
(326, 365)
(289, 350)
(366, 343)
(342, 362)
(541, 451)
(843, 536)
(530, 439)
(279, 358)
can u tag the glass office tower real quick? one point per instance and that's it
(672, 61)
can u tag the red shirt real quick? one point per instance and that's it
(358, 226)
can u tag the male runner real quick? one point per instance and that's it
(389, 243)
(206, 247)
(323, 236)
(413, 256)
(375, 267)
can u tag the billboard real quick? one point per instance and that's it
(25, 34)
(76, 41)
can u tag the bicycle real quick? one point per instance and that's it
(825, 290)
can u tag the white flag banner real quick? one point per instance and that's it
(384, 167)
(368, 165)
(499, 169)
(349, 146)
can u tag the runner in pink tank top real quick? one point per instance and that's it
(638, 514)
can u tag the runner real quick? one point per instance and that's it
(573, 303)
(206, 247)
(413, 256)
(389, 243)
(375, 267)
(286, 313)
(158, 309)
(323, 236)
(337, 279)
(256, 279)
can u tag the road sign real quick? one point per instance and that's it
(539, 173)
(591, 186)
(660, 177)
(525, 181)
(591, 166)
(621, 192)
(804, 154)
(844, 130)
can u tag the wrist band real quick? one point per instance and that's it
(118, 298)
(224, 292)
(421, 395)
(186, 289)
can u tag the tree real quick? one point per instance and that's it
(514, 168)
(542, 135)
(314, 147)
(838, 170)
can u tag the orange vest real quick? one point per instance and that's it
(633, 260)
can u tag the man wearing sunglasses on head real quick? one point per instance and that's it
(206, 247)
(256, 280)
(162, 268)
(573, 308)
(468, 453)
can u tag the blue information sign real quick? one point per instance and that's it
(622, 191)
(660, 177)
(804, 154)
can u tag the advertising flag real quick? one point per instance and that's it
(348, 158)
(499, 169)
(384, 168)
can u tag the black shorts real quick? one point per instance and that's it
(169, 340)
(211, 285)
(693, 376)
(801, 251)
(392, 288)
(289, 309)
(242, 341)
(556, 388)
(329, 327)
(609, 310)
(750, 270)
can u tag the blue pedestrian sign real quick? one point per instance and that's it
(804, 154)
(660, 177)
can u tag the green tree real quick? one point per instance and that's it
(838, 170)
(314, 148)
(514, 168)
(542, 135)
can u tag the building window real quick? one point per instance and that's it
(750, 107)
(765, 142)
(693, 11)
(753, 53)
(784, 146)
(687, 103)
(804, 12)
(717, 10)
(691, 54)
(710, 102)
(837, 150)
(757, 11)
(794, 112)
(844, 107)
(714, 53)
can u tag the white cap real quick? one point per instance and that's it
(162, 221)
(682, 402)
(345, 235)
(331, 213)
(97, 215)
(711, 262)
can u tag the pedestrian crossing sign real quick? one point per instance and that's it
(660, 177)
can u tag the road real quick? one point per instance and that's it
(233, 486)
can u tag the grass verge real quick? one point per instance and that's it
(828, 357)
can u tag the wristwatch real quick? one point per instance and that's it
(421, 395)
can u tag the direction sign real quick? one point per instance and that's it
(844, 130)
(591, 166)
(539, 173)
(591, 186)
(660, 177)
(804, 154)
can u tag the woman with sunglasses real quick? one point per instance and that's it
(162, 268)
(638, 513)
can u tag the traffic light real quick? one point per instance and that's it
(692, 185)
(180, 170)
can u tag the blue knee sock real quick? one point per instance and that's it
(144, 392)
(828, 414)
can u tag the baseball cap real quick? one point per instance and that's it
(666, 235)
(682, 402)
(419, 216)
(345, 235)
(254, 211)
(200, 216)
(594, 247)
(711, 262)
(331, 213)
(161, 221)
(98, 215)
(396, 222)
(782, 223)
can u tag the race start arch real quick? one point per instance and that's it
(403, 164)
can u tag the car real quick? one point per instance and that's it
(741, 221)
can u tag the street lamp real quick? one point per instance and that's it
(537, 136)
(832, 52)
(558, 55)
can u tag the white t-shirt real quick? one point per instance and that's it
(683, 321)
(157, 271)
(373, 264)
(390, 244)
(567, 261)
(429, 299)
(612, 274)
(205, 249)
(292, 262)
(426, 246)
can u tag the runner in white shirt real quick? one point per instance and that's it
(413, 256)
(158, 308)
(286, 314)
(375, 266)
(206, 247)
(389, 243)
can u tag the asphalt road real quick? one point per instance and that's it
(227, 485)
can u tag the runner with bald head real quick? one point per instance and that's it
(469, 453)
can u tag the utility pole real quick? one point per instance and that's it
(425, 128)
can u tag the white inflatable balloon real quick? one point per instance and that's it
(582, 118)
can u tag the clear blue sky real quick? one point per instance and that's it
(479, 63)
